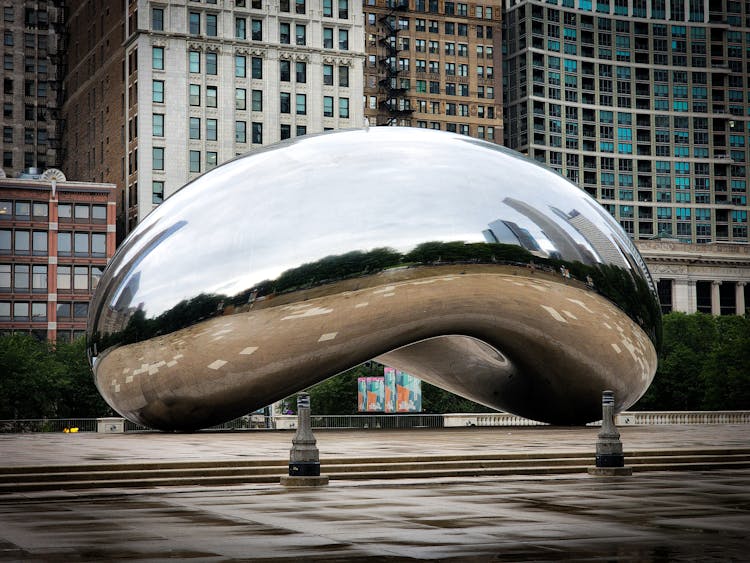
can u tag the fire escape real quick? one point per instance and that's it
(393, 104)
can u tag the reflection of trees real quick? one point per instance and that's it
(628, 290)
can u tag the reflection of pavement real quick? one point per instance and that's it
(571, 337)
(691, 516)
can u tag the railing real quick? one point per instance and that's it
(376, 421)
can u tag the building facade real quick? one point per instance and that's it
(34, 41)
(642, 103)
(707, 278)
(204, 81)
(435, 64)
(56, 237)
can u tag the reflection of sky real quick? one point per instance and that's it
(256, 216)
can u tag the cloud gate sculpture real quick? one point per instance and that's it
(453, 259)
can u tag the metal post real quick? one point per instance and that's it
(609, 457)
(304, 458)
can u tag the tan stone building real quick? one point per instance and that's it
(435, 64)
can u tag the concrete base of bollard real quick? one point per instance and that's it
(610, 471)
(305, 481)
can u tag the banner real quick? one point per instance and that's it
(396, 391)
(361, 394)
(389, 376)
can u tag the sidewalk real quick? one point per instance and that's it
(88, 448)
(684, 516)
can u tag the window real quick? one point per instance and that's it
(240, 131)
(194, 61)
(240, 66)
(328, 8)
(240, 28)
(80, 310)
(285, 72)
(211, 63)
(299, 6)
(344, 9)
(257, 30)
(211, 29)
(21, 310)
(344, 76)
(343, 39)
(301, 130)
(257, 100)
(301, 104)
(257, 70)
(158, 158)
(284, 34)
(327, 106)
(195, 161)
(195, 128)
(194, 23)
(300, 72)
(240, 98)
(285, 104)
(157, 195)
(328, 75)
(81, 244)
(212, 96)
(157, 94)
(157, 58)
(327, 38)
(98, 244)
(157, 125)
(64, 243)
(40, 209)
(211, 159)
(157, 19)
(21, 277)
(300, 34)
(257, 133)
(344, 108)
(195, 94)
(285, 131)
(212, 126)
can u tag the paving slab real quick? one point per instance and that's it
(91, 448)
(683, 516)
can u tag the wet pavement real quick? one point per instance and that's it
(682, 516)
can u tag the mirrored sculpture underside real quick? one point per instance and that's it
(452, 259)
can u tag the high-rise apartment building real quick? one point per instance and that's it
(435, 64)
(56, 236)
(33, 65)
(643, 103)
(200, 82)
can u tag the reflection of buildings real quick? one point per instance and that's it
(602, 245)
(566, 245)
(56, 237)
(117, 316)
(711, 278)
(508, 232)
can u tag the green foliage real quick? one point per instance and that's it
(39, 381)
(704, 364)
(439, 401)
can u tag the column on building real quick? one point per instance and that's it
(739, 301)
(715, 297)
(683, 296)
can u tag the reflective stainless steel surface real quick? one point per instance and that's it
(453, 259)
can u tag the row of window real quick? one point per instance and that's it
(450, 48)
(36, 311)
(26, 210)
(20, 241)
(33, 278)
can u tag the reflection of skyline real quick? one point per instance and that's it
(607, 250)
(566, 246)
(508, 232)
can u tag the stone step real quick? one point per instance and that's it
(342, 468)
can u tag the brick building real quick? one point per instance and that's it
(56, 237)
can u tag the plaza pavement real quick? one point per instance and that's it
(656, 516)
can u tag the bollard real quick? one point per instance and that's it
(609, 457)
(304, 458)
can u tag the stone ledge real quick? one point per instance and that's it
(610, 471)
(310, 481)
